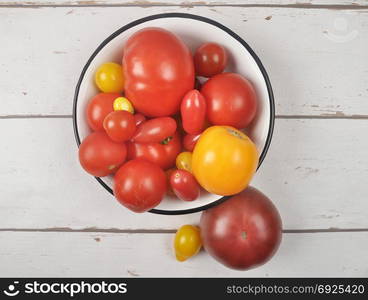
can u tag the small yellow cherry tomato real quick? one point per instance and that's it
(187, 242)
(224, 160)
(109, 78)
(122, 103)
(184, 161)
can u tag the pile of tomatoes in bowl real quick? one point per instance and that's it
(169, 122)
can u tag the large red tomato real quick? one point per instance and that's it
(163, 154)
(231, 100)
(98, 108)
(158, 70)
(140, 185)
(243, 232)
(100, 156)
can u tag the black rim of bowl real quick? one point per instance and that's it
(206, 20)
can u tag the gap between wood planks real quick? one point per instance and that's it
(157, 231)
(323, 116)
(145, 4)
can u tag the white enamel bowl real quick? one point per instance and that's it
(193, 30)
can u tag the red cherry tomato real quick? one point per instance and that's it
(98, 108)
(190, 140)
(155, 130)
(119, 125)
(210, 59)
(193, 112)
(100, 156)
(139, 119)
(139, 185)
(158, 69)
(231, 100)
(184, 185)
(163, 154)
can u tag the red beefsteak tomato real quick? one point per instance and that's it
(158, 70)
(243, 232)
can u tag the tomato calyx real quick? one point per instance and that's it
(166, 141)
(235, 133)
(244, 235)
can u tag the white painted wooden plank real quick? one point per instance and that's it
(315, 173)
(312, 71)
(183, 2)
(150, 255)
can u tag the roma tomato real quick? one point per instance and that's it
(193, 112)
(100, 156)
(158, 69)
(190, 140)
(155, 130)
(122, 103)
(231, 100)
(163, 154)
(139, 185)
(224, 160)
(210, 59)
(119, 125)
(98, 108)
(243, 232)
(109, 78)
(139, 119)
(184, 161)
(187, 242)
(184, 185)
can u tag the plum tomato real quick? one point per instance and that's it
(98, 108)
(189, 141)
(155, 130)
(109, 78)
(140, 185)
(242, 232)
(193, 112)
(122, 103)
(231, 100)
(210, 59)
(187, 242)
(163, 154)
(159, 70)
(184, 185)
(119, 125)
(100, 156)
(184, 161)
(139, 119)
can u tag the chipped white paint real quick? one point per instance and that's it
(311, 71)
(315, 172)
(150, 255)
(144, 3)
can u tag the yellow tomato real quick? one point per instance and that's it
(184, 161)
(122, 103)
(109, 78)
(224, 160)
(187, 242)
